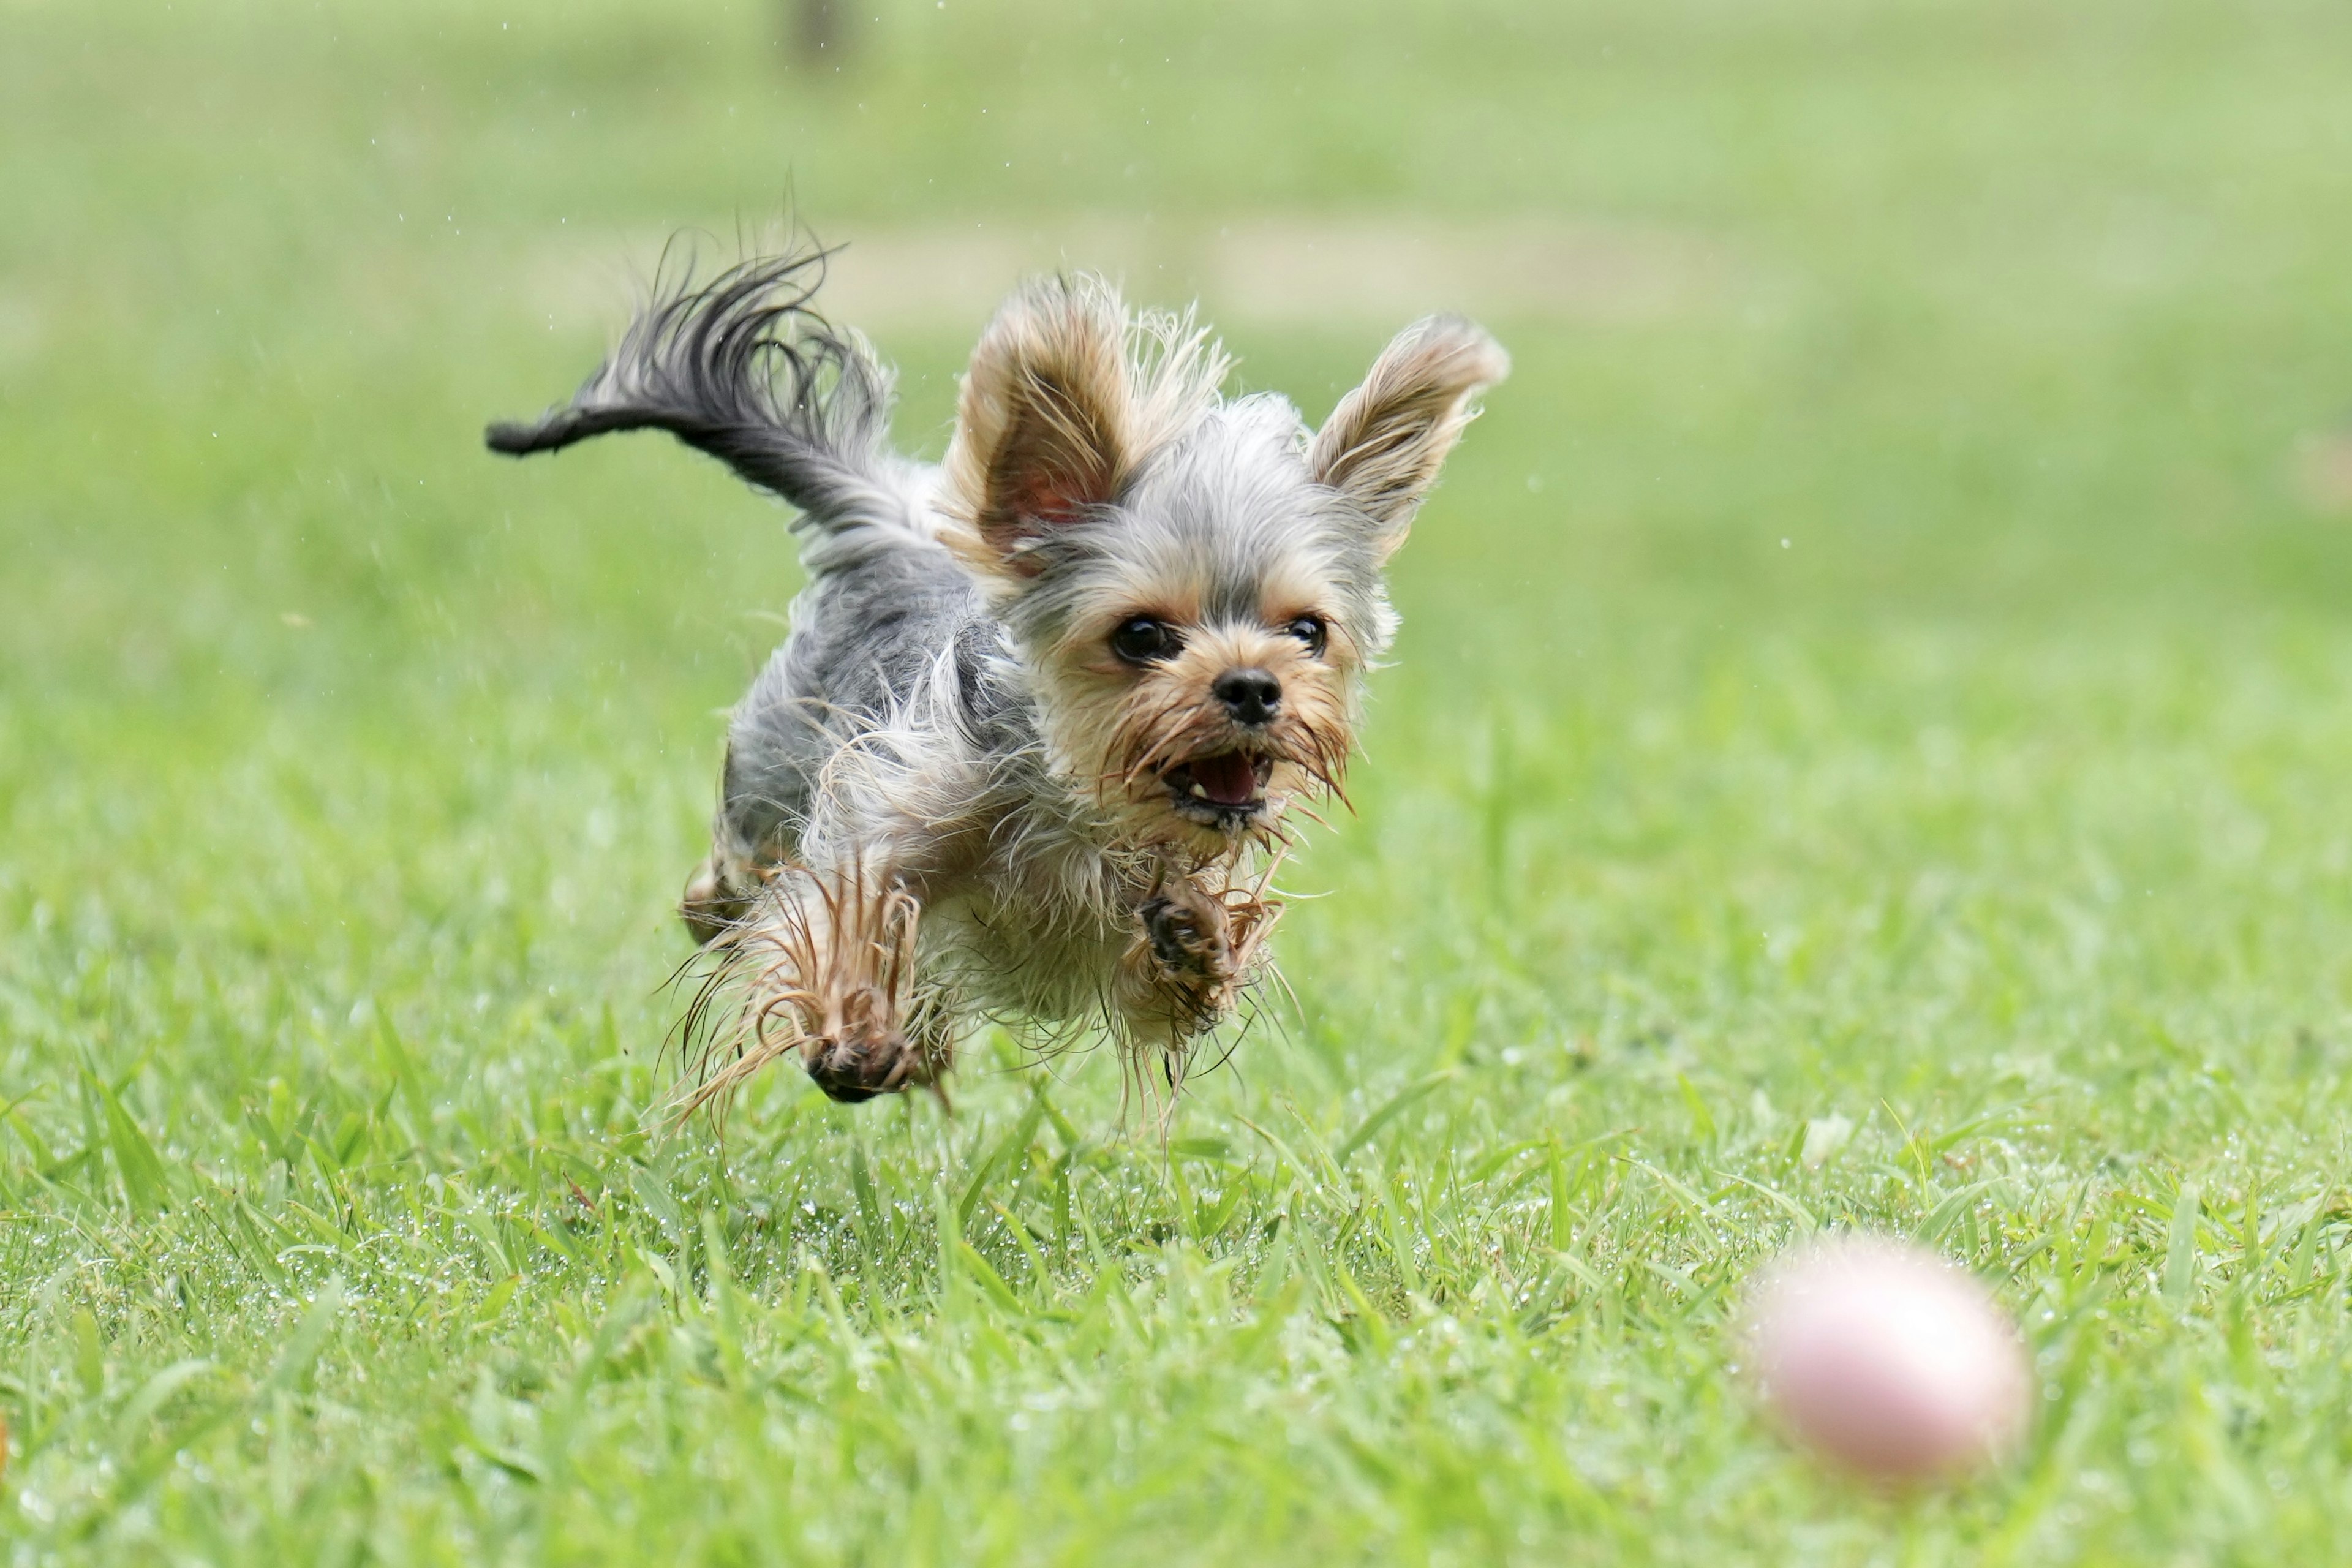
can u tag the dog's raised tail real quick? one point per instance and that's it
(743, 368)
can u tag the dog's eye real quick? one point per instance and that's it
(1142, 641)
(1310, 630)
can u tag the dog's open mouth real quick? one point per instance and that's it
(1223, 787)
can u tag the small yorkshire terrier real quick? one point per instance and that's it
(1027, 753)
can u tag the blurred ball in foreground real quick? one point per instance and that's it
(1887, 1361)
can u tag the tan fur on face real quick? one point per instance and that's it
(1383, 445)
(1125, 725)
(1065, 394)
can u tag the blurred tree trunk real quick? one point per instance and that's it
(818, 29)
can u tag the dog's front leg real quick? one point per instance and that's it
(719, 894)
(1195, 943)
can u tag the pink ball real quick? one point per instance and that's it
(1887, 1361)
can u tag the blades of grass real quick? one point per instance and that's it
(90, 1352)
(263, 1239)
(1396, 1105)
(331, 1236)
(869, 1208)
(2017, 1265)
(655, 1193)
(726, 1312)
(1910, 1144)
(309, 1337)
(950, 1237)
(1680, 1189)
(1702, 1121)
(2180, 1255)
(1019, 1231)
(400, 1067)
(8, 1118)
(1265, 1324)
(140, 1406)
(983, 1274)
(1940, 1218)
(1583, 1272)
(1685, 1287)
(1180, 1193)
(1019, 1137)
(2060, 1462)
(482, 1226)
(486, 1314)
(1312, 1144)
(145, 1186)
(1212, 1222)
(1495, 1162)
(1375, 1322)
(561, 1418)
(2306, 1247)
(552, 1237)
(1561, 1221)
(1968, 1129)
(1288, 1156)
(1400, 1245)
(1792, 1149)
(1806, 1222)
(1063, 1126)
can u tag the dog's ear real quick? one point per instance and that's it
(1383, 445)
(1044, 428)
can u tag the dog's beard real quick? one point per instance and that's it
(1180, 776)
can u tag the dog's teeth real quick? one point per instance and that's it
(1198, 792)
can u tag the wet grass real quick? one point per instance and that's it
(1871, 755)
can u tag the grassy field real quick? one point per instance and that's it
(1869, 748)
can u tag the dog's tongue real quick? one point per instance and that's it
(1229, 780)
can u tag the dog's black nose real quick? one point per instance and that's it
(1250, 696)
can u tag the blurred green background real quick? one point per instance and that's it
(1867, 748)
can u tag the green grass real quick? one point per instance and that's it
(1988, 842)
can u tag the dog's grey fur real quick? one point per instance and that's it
(944, 756)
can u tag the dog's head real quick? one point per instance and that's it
(1195, 584)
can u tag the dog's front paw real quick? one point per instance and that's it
(1191, 935)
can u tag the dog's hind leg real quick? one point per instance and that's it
(826, 966)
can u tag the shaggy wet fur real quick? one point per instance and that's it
(1030, 749)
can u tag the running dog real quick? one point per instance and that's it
(1029, 750)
